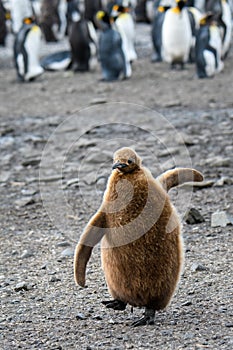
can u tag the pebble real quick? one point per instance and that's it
(167, 333)
(187, 303)
(23, 202)
(221, 218)
(68, 252)
(98, 101)
(63, 244)
(80, 316)
(197, 267)
(29, 192)
(54, 279)
(229, 324)
(223, 181)
(193, 216)
(26, 254)
(217, 161)
(31, 162)
(4, 176)
(97, 317)
(72, 182)
(111, 321)
(21, 286)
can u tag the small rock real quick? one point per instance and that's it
(98, 317)
(98, 101)
(221, 218)
(54, 279)
(172, 103)
(72, 182)
(68, 252)
(223, 181)
(166, 332)
(222, 309)
(193, 216)
(4, 176)
(187, 303)
(29, 192)
(23, 202)
(21, 286)
(229, 324)
(197, 267)
(63, 244)
(80, 316)
(31, 162)
(26, 254)
(217, 161)
(111, 321)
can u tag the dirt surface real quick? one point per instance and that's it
(57, 137)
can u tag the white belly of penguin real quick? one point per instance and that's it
(32, 46)
(176, 37)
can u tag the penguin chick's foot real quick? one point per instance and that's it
(115, 304)
(147, 319)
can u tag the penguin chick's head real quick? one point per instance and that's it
(126, 160)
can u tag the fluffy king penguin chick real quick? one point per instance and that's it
(142, 250)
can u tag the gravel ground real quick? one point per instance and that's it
(57, 137)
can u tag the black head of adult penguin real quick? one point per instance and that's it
(118, 9)
(29, 20)
(126, 161)
(102, 20)
(207, 19)
(181, 4)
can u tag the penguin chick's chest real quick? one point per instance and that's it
(125, 198)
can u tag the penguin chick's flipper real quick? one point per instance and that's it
(147, 319)
(92, 235)
(178, 176)
(114, 304)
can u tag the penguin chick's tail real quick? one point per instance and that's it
(178, 176)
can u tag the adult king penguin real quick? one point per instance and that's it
(111, 56)
(27, 49)
(226, 24)
(3, 28)
(83, 40)
(156, 32)
(142, 250)
(20, 9)
(124, 24)
(176, 35)
(208, 48)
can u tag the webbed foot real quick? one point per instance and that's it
(115, 304)
(147, 319)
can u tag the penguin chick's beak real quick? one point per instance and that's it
(119, 165)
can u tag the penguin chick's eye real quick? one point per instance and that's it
(130, 161)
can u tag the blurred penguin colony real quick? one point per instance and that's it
(182, 31)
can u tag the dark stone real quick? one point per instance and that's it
(193, 216)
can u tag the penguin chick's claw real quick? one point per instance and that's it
(114, 304)
(147, 319)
